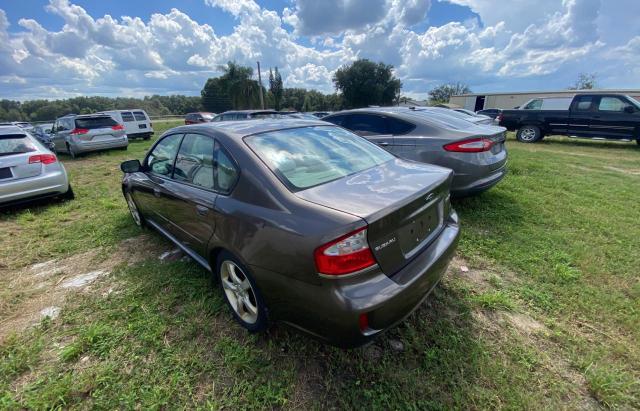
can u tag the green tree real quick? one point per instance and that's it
(586, 81)
(443, 93)
(275, 87)
(365, 83)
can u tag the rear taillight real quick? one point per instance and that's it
(117, 127)
(345, 255)
(77, 131)
(42, 158)
(473, 145)
(499, 117)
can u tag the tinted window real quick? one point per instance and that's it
(339, 120)
(367, 124)
(306, 157)
(160, 161)
(194, 164)
(533, 105)
(95, 122)
(611, 104)
(139, 115)
(226, 171)
(15, 144)
(584, 103)
(227, 117)
(399, 127)
(217, 118)
(127, 116)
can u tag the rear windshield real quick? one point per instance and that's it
(442, 120)
(95, 122)
(16, 144)
(310, 156)
(140, 116)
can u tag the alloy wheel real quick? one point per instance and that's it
(528, 134)
(239, 292)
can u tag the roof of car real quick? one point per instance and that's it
(245, 128)
(376, 110)
(251, 111)
(7, 130)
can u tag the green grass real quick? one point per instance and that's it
(556, 241)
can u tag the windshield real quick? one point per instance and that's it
(95, 122)
(15, 144)
(310, 156)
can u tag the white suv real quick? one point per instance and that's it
(135, 121)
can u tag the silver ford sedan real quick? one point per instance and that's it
(28, 170)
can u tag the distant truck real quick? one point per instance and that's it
(596, 116)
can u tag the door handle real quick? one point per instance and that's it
(202, 210)
(156, 192)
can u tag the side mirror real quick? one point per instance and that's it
(629, 109)
(130, 166)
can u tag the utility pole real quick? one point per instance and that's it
(260, 83)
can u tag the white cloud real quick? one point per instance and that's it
(512, 44)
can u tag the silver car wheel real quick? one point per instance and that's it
(528, 134)
(133, 209)
(239, 292)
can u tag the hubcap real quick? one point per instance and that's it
(239, 292)
(528, 134)
(133, 209)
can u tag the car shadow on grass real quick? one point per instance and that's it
(561, 141)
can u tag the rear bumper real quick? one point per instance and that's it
(86, 146)
(45, 185)
(479, 185)
(331, 310)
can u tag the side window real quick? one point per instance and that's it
(399, 127)
(337, 120)
(368, 124)
(160, 160)
(611, 104)
(139, 115)
(194, 164)
(217, 118)
(227, 117)
(226, 171)
(534, 105)
(127, 116)
(584, 103)
(67, 124)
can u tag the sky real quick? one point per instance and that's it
(63, 48)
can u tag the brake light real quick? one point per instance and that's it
(43, 158)
(345, 255)
(76, 131)
(117, 127)
(473, 145)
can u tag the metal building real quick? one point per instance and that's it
(480, 101)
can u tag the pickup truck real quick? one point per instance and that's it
(596, 116)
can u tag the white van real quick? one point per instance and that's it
(135, 121)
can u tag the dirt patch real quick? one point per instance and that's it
(38, 291)
(628, 171)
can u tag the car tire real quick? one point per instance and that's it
(71, 153)
(241, 293)
(69, 194)
(133, 209)
(529, 134)
(124, 148)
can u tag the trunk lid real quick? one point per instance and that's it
(402, 202)
(15, 150)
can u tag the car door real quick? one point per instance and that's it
(403, 141)
(151, 193)
(191, 193)
(373, 127)
(580, 114)
(612, 120)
